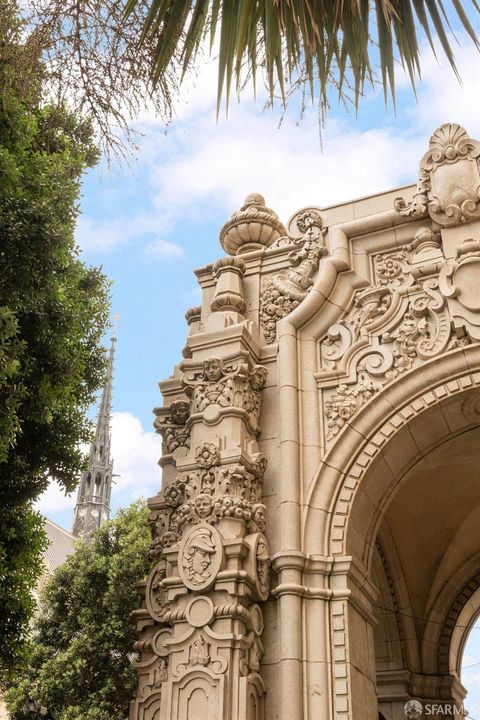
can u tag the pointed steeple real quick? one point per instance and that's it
(93, 498)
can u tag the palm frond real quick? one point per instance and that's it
(285, 37)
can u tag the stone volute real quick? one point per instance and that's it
(252, 227)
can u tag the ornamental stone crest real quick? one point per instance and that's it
(448, 188)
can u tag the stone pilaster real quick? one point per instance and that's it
(200, 620)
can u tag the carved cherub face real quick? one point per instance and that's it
(258, 377)
(212, 369)
(180, 412)
(203, 505)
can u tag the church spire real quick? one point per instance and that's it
(93, 498)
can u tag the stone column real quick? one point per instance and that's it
(351, 638)
(200, 619)
(200, 625)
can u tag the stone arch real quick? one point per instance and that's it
(452, 622)
(387, 443)
(399, 415)
(465, 621)
(458, 604)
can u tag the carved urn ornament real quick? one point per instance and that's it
(254, 226)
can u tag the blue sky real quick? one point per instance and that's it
(151, 223)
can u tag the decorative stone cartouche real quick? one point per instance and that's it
(252, 227)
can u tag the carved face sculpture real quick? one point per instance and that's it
(263, 563)
(257, 380)
(203, 505)
(180, 412)
(258, 516)
(212, 369)
(198, 555)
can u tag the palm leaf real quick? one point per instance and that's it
(319, 39)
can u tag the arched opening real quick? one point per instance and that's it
(87, 486)
(411, 531)
(427, 548)
(98, 484)
(470, 668)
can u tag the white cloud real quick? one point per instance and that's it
(163, 250)
(441, 97)
(201, 168)
(249, 153)
(54, 500)
(135, 453)
(103, 237)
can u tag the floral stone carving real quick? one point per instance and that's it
(284, 291)
(448, 188)
(398, 323)
(200, 557)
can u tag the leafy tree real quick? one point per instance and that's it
(53, 314)
(319, 42)
(94, 65)
(81, 652)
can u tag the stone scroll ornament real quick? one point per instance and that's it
(448, 187)
(401, 321)
(284, 291)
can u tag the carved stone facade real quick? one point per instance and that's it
(315, 542)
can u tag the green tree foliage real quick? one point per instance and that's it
(325, 42)
(53, 313)
(81, 651)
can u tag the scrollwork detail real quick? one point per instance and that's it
(284, 291)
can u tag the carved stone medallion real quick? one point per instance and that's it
(259, 564)
(200, 557)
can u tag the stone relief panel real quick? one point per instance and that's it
(284, 291)
(402, 320)
(200, 557)
(217, 385)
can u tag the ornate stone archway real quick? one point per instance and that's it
(332, 362)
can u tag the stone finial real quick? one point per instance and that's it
(252, 227)
(448, 187)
